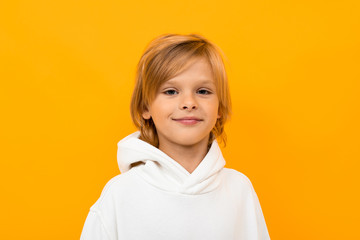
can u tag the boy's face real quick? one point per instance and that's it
(185, 108)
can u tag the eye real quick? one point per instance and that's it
(170, 92)
(204, 92)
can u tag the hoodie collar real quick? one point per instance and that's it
(165, 173)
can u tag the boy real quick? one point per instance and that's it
(173, 183)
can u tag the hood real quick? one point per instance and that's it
(165, 173)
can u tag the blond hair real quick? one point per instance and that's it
(164, 58)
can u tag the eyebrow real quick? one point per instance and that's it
(205, 81)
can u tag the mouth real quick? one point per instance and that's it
(188, 120)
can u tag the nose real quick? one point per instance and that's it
(188, 102)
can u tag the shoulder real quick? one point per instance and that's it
(101, 220)
(236, 179)
(116, 188)
(233, 174)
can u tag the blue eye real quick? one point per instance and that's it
(204, 92)
(170, 92)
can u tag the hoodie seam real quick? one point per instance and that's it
(99, 215)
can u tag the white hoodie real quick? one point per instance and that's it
(158, 199)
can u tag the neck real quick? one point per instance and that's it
(188, 156)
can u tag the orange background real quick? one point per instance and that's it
(67, 73)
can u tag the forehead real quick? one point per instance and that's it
(198, 70)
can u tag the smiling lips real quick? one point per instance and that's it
(188, 120)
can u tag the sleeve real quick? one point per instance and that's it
(262, 230)
(252, 225)
(94, 228)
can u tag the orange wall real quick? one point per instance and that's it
(67, 70)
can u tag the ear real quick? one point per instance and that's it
(146, 114)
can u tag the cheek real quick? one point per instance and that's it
(214, 107)
(161, 109)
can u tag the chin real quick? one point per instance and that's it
(189, 141)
